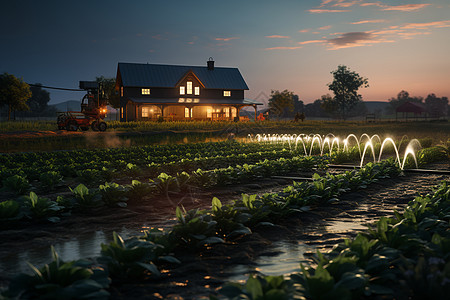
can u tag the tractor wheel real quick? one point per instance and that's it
(84, 128)
(94, 126)
(102, 126)
(72, 126)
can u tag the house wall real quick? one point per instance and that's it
(175, 93)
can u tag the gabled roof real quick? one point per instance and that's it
(167, 76)
(411, 107)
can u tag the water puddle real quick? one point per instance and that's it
(285, 256)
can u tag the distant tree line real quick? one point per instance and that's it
(346, 102)
(436, 107)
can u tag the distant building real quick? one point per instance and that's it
(151, 91)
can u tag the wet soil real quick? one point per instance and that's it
(202, 273)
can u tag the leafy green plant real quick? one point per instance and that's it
(195, 228)
(10, 210)
(113, 194)
(16, 184)
(166, 184)
(260, 287)
(130, 259)
(41, 208)
(50, 179)
(61, 280)
(85, 197)
(230, 221)
(183, 179)
(139, 190)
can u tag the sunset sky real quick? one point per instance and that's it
(295, 44)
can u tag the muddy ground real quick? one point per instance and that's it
(201, 274)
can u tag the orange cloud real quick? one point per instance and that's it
(369, 21)
(324, 27)
(410, 35)
(437, 24)
(312, 42)
(278, 37)
(283, 48)
(406, 7)
(226, 39)
(321, 11)
(304, 30)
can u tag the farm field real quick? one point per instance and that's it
(180, 219)
(43, 136)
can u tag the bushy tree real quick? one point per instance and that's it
(345, 87)
(39, 98)
(109, 90)
(14, 93)
(281, 102)
(436, 107)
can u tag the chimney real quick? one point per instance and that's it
(210, 63)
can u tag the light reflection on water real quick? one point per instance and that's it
(284, 256)
(289, 254)
(85, 246)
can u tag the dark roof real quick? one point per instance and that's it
(152, 75)
(197, 101)
(411, 107)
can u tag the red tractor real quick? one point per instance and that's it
(93, 111)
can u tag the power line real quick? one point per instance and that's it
(56, 88)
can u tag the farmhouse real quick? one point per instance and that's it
(171, 92)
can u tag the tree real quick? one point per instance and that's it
(281, 102)
(39, 98)
(109, 90)
(345, 87)
(14, 93)
(402, 97)
(436, 107)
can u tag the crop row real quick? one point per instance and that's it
(403, 257)
(49, 167)
(141, 257)
(112, 194)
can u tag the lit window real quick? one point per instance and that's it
(233, 112)
(197, 90)
(121, 91)
(209, 112)
(182, 90)
(145, 91)
(226, 93)
(145, 111)
(189, 87)
(227, 112)
(121, 112)
(187, 112)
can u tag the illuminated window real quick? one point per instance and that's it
(197, 90)
(145, 112)
(226, 93)
(121, 112)
(209, 112)
(187, 112)
(189, 87)
(233, 112)
(121, 91)
(227, 112)
(182, 90)
(145, 91)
